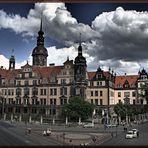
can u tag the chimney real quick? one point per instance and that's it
(125, 74)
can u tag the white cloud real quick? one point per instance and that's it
(4, 62)
(115, 39)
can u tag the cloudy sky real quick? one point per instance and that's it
(113, 35)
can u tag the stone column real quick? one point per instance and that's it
(79, 121)
(5, 116)
(11, 118)
(53, 121)
(66, 122)
(119, 118)
(41, 120)
(126, 119)
(20, 118)
(30, 119)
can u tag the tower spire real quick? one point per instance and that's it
(40, 38)
(80, 47)
(80, 40)
(41, 21)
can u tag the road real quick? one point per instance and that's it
(120, 139)
(12, 135)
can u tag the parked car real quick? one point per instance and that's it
(136, 133)
(88, 125)
(129, 135)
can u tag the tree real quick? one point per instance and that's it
(77, 108)
(122, 110)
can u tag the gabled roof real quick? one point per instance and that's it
(9, 74)
(44, 72)
(120, 80)
(92, 74)
(48, 72)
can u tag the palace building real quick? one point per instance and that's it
(39, 89)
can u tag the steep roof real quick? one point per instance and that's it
(92, 74)
(120, 80)
(44, 72)
(48, 72)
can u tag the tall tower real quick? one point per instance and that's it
(12, 61)
(40, 53)
(80, 73)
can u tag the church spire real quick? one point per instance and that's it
(40, 38)
(80, 47)
(80, 40)
(41, 22)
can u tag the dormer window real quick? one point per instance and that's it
(126, 84)
(99, 75)
(143, 77)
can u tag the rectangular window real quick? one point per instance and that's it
(101, 93)
(41, 91)
(134, 94)
(33, 101)
(18, 83)
(91, 93)
(119, 94)
(51, 101)
(26, 91)
(63, 81)
(100, 83)
(101, 102)
(55, 91)
(65, 91)
(44, 91)
(61, 101)
(91, 101)
(141, 101)
(44, 101)
(9, 92)
(134, 102)
(51, 91)
(119, 100)
(96, 101)
(55, 101)
(61, 91)
(41, 101)
(126, 94)
(34, 82)
(96, 93)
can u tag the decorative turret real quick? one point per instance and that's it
(12, 61)
(40, 53)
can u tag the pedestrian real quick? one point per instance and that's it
(94, 139)
(112, 134)
(138, 134)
